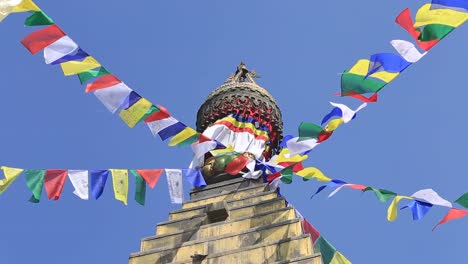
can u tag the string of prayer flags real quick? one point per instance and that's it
(174, 182)
(120, 184)
(79, 180)
(11, 174)
(35, 183)
(54, 181)
(98, 182)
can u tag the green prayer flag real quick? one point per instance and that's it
(35, 182)
(435, 32)
(382, 194)
(286, 175)
(309, 130)
(87, 75)
(38, 18)
(189, 141)
(153, 109)
(140, 188)
(325, 248)
(357, 84)
(463, 200)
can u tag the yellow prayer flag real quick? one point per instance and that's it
(136, 112)
(392, 211)
(120, 183)
(284, 156)
(362, 68)
(217, 152)
(426, 16)
(10, 176)
(25, 6)
(338, 258)
(313, 173)
(185, 134)
(75, 67)
(333, 125)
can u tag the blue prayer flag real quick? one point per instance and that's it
(98, 182)
(195, 177)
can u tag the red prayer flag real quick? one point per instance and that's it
(453, 214)
(324, 136)
(406, 22)
(371, 99)
(102, 82)
(236, 165)
(310, 229)
(273, 176)
(54, 181)
(159, 115)
(151, 176)
(39, 39)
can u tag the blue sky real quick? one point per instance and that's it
(174, 53)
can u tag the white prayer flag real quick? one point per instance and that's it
(174, 181)
(7, 6)
(432, 197)
(158, 125)
(348, 113)
(407, 50)
(112, 97)
(59, 49)
(79, 180)
(297, 147)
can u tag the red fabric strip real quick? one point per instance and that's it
(151, 176)
(102, 82)
(39, 39)
(371, 99)
(54, 181)
(236, 165)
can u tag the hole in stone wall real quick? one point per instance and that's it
(218, 215)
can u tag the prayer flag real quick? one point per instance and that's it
(407, 50)
(185, 137)
(463, 200)
(75, 67)
(39, 18)
(140, 188)
(236, 165)
(39, 39)
(352, 84)
(387, 61)
(59, 49)
(363, 67)
(461, 4)
(112, 97)
(432, 197)
(312, 173)
(338, 258)
(79, 54)
(174, 181)
(426, 16)
(54, 182)
(98, 182)
(120, 184)
(24, 6)
(35, 182)
(195, 177)
(166, 128)
(87, 75)
(151, 176)
(11, 174)
(392, 211)
(79, 180)
(406, 22)
(343, 111)
(419, 209)
(453, 214)
(102, 82)
(309, 130)
(333, 125)
(382, 194)
(348, 185)
(252, 173)
(134, 114)
(158, 115)
(297, 146)
(309, 229)
(325, 248)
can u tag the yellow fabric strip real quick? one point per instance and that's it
(338, 258)
(362, 68)
(217, 152)
(182, 136)
(136, 112)
(120, 184)
(392, 211)
(10, 176)
(283, 156)
(449, 17)
(313, 173)
(75, 67)
(333, 125)
(238, 124)
(25, 6)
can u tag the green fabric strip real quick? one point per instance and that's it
(353, 83)
(38, 19)
(326, 249)
(140, 188)
(463, 200)
(435, 32)
(35, 183)
(87, 75)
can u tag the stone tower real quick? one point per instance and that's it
(233, 219)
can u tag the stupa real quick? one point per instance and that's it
(237, 217)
